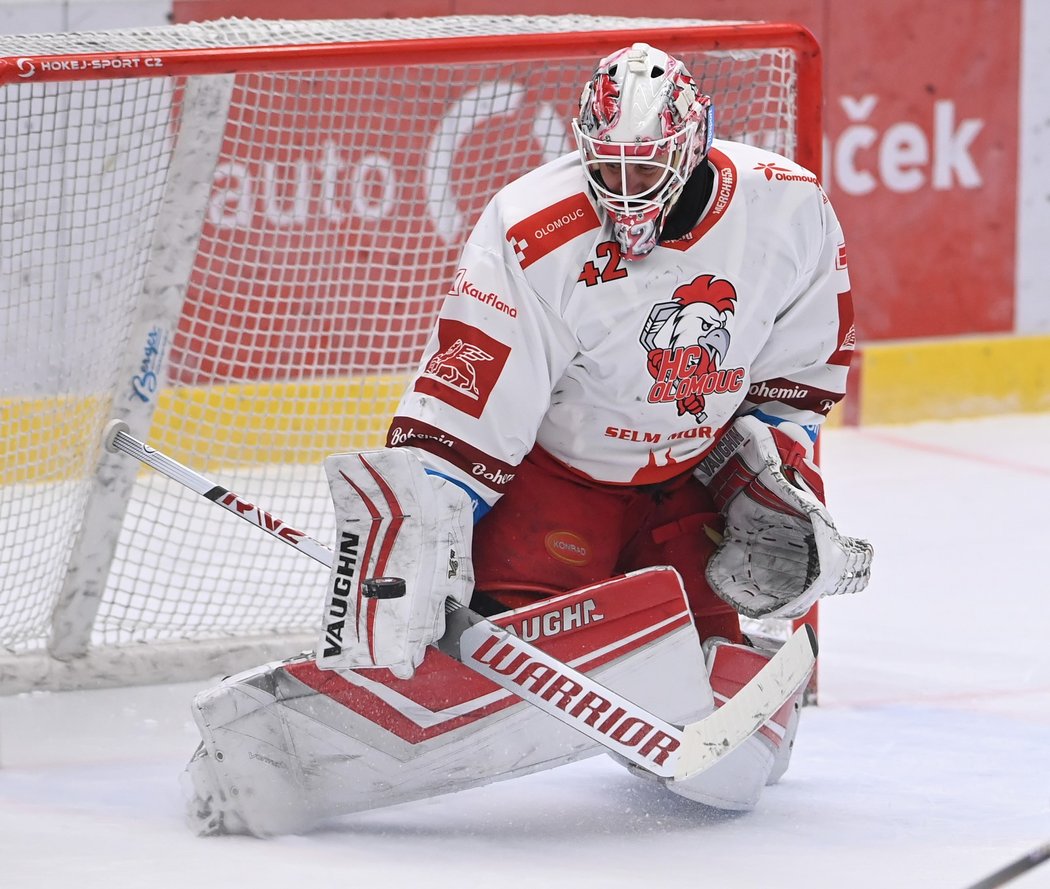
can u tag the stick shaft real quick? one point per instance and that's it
(1014, 869)
(117, 438)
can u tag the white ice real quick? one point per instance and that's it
(926, 763)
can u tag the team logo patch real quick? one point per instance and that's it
(465, 369)
(568, 547)
(686, 340)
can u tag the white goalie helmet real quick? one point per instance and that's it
(642, 129)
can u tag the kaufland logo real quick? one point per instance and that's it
(461, 286)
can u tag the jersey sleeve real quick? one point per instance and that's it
(800, 372)
(472, 410)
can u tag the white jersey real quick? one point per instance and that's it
(627, 371)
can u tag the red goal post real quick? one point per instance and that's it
(234, 235)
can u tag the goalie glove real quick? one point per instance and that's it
(403, 547)
(781, 551)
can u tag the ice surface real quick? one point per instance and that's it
(927, 763)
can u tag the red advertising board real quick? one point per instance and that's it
(921, 141)
(922, 124)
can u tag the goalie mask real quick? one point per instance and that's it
(642, 130)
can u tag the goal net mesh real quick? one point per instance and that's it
(329, 234)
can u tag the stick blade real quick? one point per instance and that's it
(709, 739)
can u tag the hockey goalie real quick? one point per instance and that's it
(608, 449)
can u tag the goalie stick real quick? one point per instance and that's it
(1014, 869)
(663, 748)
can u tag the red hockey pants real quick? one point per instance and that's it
(554, 531)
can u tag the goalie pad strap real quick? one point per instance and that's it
(797, 465)
(725, 478)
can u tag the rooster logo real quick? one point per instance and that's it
(687, 339)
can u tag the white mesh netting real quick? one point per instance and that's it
(336, 209)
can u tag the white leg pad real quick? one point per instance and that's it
(735, 782)
(289, 745)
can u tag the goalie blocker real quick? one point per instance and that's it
(403, 548)
(289, 745)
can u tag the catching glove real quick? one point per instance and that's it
(781, 551)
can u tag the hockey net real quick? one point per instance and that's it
(235, 235)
